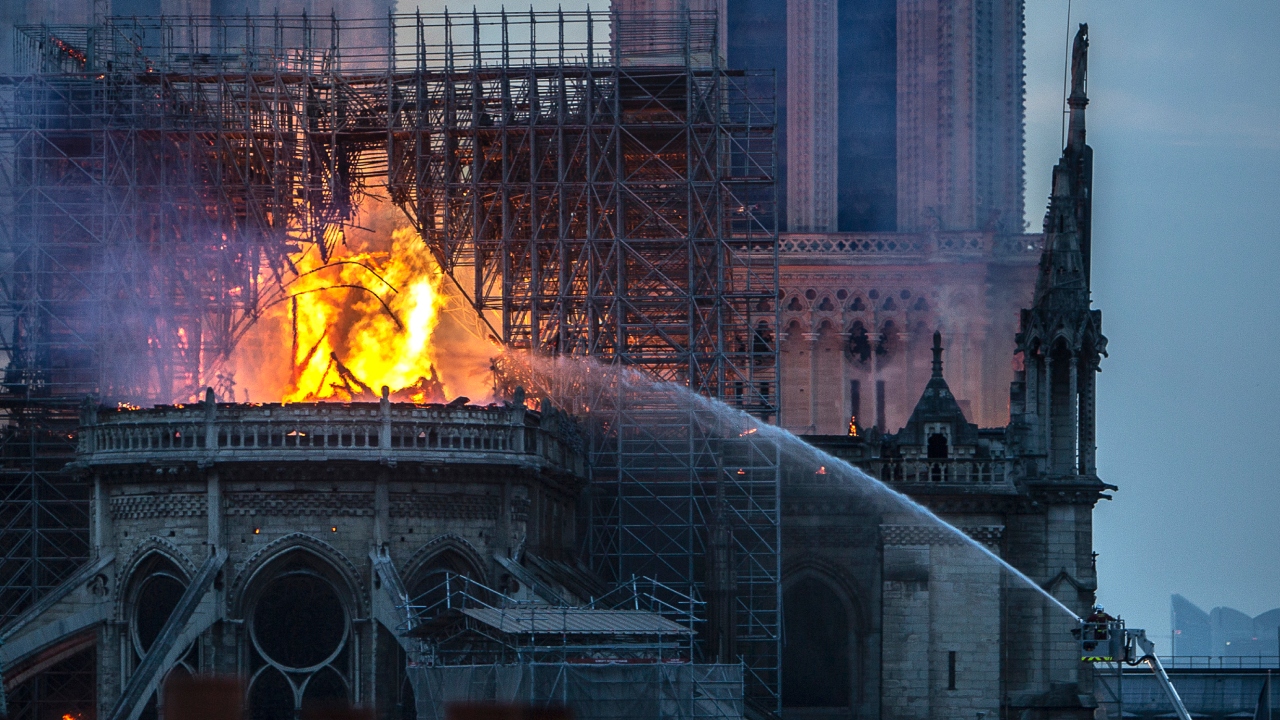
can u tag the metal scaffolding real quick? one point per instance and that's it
(596, 185)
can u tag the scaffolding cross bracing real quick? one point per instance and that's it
(597, 185)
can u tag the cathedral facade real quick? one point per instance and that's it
(888, 616)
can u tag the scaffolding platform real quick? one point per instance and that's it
(596, 185)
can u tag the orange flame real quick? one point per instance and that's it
(384, 330)
(371, 316)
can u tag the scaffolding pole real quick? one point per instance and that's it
(600, 184)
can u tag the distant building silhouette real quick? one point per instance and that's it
(1223, 631)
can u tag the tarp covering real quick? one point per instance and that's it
(594, 692)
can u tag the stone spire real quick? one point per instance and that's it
(938, 405)
(1064, 265)
(1060, 339)
(937, 354)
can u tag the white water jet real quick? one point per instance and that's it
(584, 384)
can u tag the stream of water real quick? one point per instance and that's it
(590, 383)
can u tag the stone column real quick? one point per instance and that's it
(873, 339)
(1073, 416)
(812, 120)
(101, 517)
(381, 510)
(904, 345)
(1087, 423)
(813, 337)
(213, 495)
(845, 402)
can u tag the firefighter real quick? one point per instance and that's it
(1099, 620)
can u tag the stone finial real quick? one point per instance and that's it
(937, 353)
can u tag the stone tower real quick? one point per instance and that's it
(1052, 427)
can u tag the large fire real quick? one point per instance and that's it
(379, 312)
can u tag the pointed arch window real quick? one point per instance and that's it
(300, 643)
(816, 653)
(859, 347)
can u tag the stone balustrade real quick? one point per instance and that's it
(988, 475)
(382, 432)
(947, 471)
(909, 245)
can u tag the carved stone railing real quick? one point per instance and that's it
(379, 432)
(949, 471)
(909, 245)
(985, 474)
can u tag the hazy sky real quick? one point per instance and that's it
(1184, 120)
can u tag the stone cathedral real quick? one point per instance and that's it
(887, 617)
(928, 339)
(924, 337)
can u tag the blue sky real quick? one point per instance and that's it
(1185, 124)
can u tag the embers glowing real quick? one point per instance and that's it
(853, 426)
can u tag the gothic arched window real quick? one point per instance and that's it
(888, 340)
(937, 448)
(157, 588)
(1062, 408)
(816, 651)
(300, 638)
(859, 348)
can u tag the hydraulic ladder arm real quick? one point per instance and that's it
(1109, 640)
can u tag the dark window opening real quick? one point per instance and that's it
(271, 697)
(855, 404)
(299, 621)
(951, 670)
(937, 447)
(157, 598)
(815, 655)
(1062, 410)
(880, 405)
(67, 688)
(888, 340)
(859, 348)
(299, 630)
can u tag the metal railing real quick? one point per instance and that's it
(519, 640)
(1222, 662)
